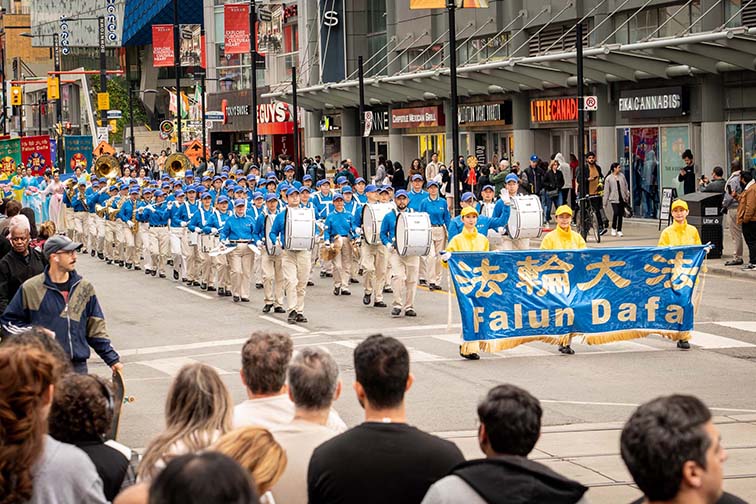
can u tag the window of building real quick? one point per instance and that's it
(232, 70)
(557, 38)
(489, 48)
(376, 36)
(659, 22)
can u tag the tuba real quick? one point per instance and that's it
(106, 166)
(177, 164)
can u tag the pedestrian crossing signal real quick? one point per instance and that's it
(16, 96)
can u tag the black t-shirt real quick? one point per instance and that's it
(111, 465)
(379, 463)
(725, 499)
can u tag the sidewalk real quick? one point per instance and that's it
(589, 453)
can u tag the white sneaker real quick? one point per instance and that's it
(614, 232)
(619, 233)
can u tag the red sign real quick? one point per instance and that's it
(274, 119)
(35, 153)
(553, 110)
(236, 37)
(417, 117)
(162, 45)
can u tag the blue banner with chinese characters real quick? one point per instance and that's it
(602, 294)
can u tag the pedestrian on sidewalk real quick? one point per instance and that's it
(617, 193)
(730, 207)
(688, 173)
(747, 216)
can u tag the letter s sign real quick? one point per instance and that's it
(330, 18)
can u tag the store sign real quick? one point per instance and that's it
(546, 110)
(379, 122)
(658, 102)
(417, 117)
(479, 113)
(332, 41)
(330, 123)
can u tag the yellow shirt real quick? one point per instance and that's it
(679, 234)
(559, 239)
(468, 241)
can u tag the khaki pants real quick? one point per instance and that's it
(433, 267)
(273, 281)
(179, 247)
(257, 269)
(142, 239)
(189, 258)
(221, 271)
(296, 271)
(100, 226)
(374, 260)
(159, 248)
(736, 232)
(508, 243)
(91, 232)
(81, 226)
(240, 263)
(112, 246)
(70, 222)
(404, 281)
(126, 238)
(342, 263)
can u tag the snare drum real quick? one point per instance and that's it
(526, 218)
(207, 242)
(269, 247)
(192, 238)
(299, 229)
(413, 234)
(372, 219)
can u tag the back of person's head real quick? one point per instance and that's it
(746, 175)
(205, 478)
(718, 171)
(44, 339)
(511, 417)
(197, 410)
(265, 357)
(13, 208)
(735, 166)
(46, 230)
(381, 366)
(313, 379)
(667, 447)
(82, 409)
(28, 375)
(29, 214)
(255, 449)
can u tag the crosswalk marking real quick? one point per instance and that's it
(415, 354)
(172, 365)
(749, 326)
(706, 340)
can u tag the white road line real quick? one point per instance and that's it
(292, 327)
(749, 326)
(414, 354)
(389, 330)
(190, 291)
(185, 346)
(172, 365)
(706, 340)
(631, 405)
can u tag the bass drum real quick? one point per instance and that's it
(269, 247)
(526, 218)
(299, 229)
(413, 234)
(207, 242)
(372, 219)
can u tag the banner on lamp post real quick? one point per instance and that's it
(236, 33)
(162, 45)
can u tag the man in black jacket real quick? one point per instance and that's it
(510, 424)
(21, 263)
(688, 173)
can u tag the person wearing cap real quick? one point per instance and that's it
(126, 219)
(563, 238)
(295, 264)
(189, 243)
(142, 238)
(323, 201)
(221, 271)
(255, 209)
(338, 234)
(359, 190)
(405, 269)
(305, 201)
(45, 299)
(239, 232)
(97, 201)
(113, 236)
(307, 181)
(90, 229)
(374, 257)
(270, 264)
(483, 223)
(440, 219)
(469, 240)
(289, 173)
(157, 216)
(205, 223)
(180, 214)
(503, 210)
(416, 193)
(354, 208)
(80, 210)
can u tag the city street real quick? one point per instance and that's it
(158, 326)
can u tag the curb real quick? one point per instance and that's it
(734, 272)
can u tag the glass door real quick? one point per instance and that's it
(644, 179)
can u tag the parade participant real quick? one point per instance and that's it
(484, 224)
(563, 238)
(55, 208)
(307, 181)
(503, 210)
(359, 190)
(416, 194)
(93, 221)
(486, 207)
(374, 258)
(216, 188)
(438, 211)
(469, 240)
(159, 247)
(109, 237)
(189, 242)
(126, 219)
(80, 211)
(353, 208)
(404, 268)
(384, 195)
(239, 232)
(289, 172)
(116, 232)
(220, 262)
(45, 300)
(68, 213)
(337, 236)
(255, 210)
(142, 237)
(679, 233)
(179, 219)
(205, 223)
(294, 263)
(272, 272)
(323, 202)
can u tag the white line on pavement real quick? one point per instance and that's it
(293, 327)
(631, 405)
(172, 365)
(185, 346)
(190, 291)
(706, 340)
(749, 326)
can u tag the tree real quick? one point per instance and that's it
(119, 100)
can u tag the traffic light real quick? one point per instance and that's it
(16, 96)
(52, 88)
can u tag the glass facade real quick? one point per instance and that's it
(376, 37)
(658, 22)
(232, 70)
(741, 144)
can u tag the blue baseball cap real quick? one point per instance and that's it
(95, 182)
(112, 188)
(251, 178)
(257, 195)
(371, 188)
(400, 193)
(292, 190)
(487, 186)
(159, 193)
(467, 196)
(342, 180)
(189, 174)
(304, 189)
(147, 190)
(206, 195)
(359, 180)
(534, 158)
(238, 189)
(123, 187)
(239, 202)
(224, 175)
(239, 171)
(289, 168)
(512, 178)
(417, 176)
(179, 193)
(216, 178)
(222, 199)
(206, 179)
(383, 189)
(282, 187)
(165, 177)
(338, 196)
(270, 174)
(270, 196)
(431, 183)
(306, 177)
(191, 188)
(323, 181)
(133, 191)
(345, 190)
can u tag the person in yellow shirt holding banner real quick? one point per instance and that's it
(677, 234)
(469, 240)
(563, 238)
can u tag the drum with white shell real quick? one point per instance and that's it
(299, 229)
(526, 217)
(372, 220)
(413, 234)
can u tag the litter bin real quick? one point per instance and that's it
(706, 215)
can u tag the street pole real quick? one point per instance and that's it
(581, 133)
(131, 103)
(177, 68)
(5, 87)
(253, 74)
(295, 115)
(39, 115)
(202, 83)
(59, 102)
(457, 171)
(361, 77)
(103, 67)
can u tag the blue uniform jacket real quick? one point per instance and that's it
(501, 209)
(338, 224)
(238, 228)
(127, 210)
(438, 211)
(158, 215)
(388, 227)
(416, 198)
(181, 213)
(204, 221)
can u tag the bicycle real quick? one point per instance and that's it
(593, 224)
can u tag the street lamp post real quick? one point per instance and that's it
(177, 68)
(253, 74)
(457, 171)
(103, 65)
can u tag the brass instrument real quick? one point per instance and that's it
(106, 166)
(83, 197)
(70, 188)
(135, 225)
(112, 212)
(177, 164)
(101, 210)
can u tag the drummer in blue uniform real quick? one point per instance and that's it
(307, 181)
(438, 211)
(416, 194)
(338, 234)
(373, 258)
(404, 268)
(359, 190)
(272, 273)
(220, 261)
(238, 231)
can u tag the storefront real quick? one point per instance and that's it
(652, 133)
(486, 131)
(423, 131)
(330, 127)
(377, 124)
(554, 121)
